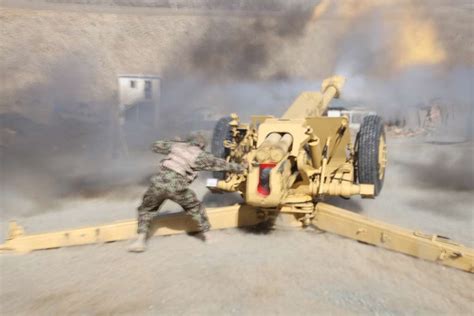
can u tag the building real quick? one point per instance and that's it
(139, 98)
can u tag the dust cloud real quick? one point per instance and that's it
(447, 171)
(71, 155)
(234, 67)
(227, 66)
(396, 59)
(240, 52)
(399, 63)
(75, 152)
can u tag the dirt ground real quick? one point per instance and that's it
(284, 272)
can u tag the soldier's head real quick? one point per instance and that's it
(197, 140)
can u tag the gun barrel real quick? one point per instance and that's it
(315, 103)
(330, 93)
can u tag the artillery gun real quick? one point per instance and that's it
(299, 159)
(294, 163)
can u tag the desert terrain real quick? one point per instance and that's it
(282, 272)
(214, 59)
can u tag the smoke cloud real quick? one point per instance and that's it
(397, 61)
(71, 154)
(228, 71)
(230, 52)
(236, 64)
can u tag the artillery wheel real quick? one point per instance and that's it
(371, 151)
(222, 132)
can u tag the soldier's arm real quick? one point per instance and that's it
(162, 147)
(208, 162)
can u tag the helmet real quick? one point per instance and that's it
(197, 140)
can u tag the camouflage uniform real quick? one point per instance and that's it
(173, 185)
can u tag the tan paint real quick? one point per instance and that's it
(299, 212)
(329, 169)
(167, 224)
(416, 244)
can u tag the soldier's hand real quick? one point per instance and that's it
(242, 167)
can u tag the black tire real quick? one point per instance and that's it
(367, 148)
(222, 132)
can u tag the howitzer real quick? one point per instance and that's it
(297, 160)
(294, 162)
(303, 156)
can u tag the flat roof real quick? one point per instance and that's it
(139, 76)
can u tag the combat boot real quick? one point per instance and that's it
(139, 245)
(205, 226)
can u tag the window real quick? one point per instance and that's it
(133, 84)
(147, 89)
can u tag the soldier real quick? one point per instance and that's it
(176, 172)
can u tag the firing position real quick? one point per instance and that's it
(176, 172)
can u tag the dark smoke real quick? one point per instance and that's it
(447, 171)
(197, 104)
(241, 52)
(234, 67)
(449, 175)
(227, 51)
(227, 72)
(75, 152)
(69, 155)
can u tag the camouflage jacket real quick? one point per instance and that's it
(176, 173)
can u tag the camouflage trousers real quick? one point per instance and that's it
(155, 196)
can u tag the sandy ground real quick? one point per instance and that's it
(284, 272)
